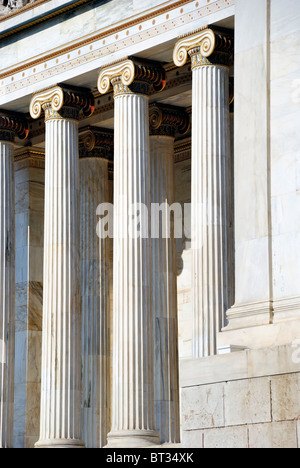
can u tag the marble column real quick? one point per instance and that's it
(96, 151)
(61, 348)
(10, 126)
(133, 366)
(165, 121)
(210, 50)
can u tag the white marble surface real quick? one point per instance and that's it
(133, 367)
(164, 294)
(251, 175)
(184, 263)
(95, 305)
(285, 155)
(61, 348)
(210, 206)
(29, 207)
(169, 24)
(7, 292)
(249, 398)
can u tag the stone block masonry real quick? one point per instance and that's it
(247, 412)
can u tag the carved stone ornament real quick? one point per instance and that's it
(62, 102)
(132, 75)
(167, 120)
(210, 45)
(96, 142)
(13, 124)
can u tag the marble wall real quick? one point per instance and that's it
(72, 26)
(242, 400)
(285, 156)
(184, 256)
(266, 175)
(251, 174)
(29, 187)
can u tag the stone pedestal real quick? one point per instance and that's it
(133, 366)
(61, 350)
(210, 53)
(10, 125)
(95, 153)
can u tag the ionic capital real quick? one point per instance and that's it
(96, 143)
(208, 46)
(62, 102)
(132, 75)
(167, 120)
(13, 124)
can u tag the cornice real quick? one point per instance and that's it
(40, 19)
(25, 8)
(29, 152)
(182, 150)
(150, 14)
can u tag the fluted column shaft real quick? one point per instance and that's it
(11, 124)
(60, 425)
(61, 352)
(210, 204)
(133, 366)
(7, 293)
(164, 293)
(210, 50)
(95, 304)
(133, 411)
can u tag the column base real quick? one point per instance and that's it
(249, 315)
(60, 443)
(133, 439)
